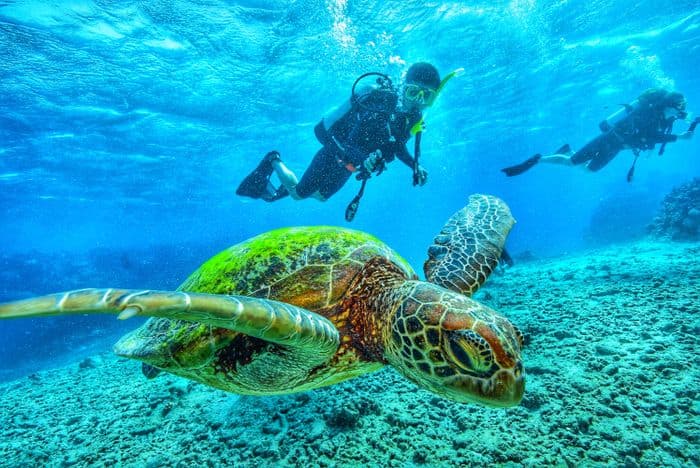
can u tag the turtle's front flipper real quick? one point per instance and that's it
(308, 334)
(469, 246)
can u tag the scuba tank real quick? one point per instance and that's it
(375, 94)
(618, 116)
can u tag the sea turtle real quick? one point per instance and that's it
(300, 308)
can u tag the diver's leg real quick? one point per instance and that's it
(563, 160)
(607, 149)
(561, 157)
(287, 178)
(337, 176)
(557, 159)
(323, 168)
(598, 152)
(309, 186)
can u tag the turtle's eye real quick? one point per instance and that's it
(470, 351)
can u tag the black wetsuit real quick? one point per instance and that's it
(641, 130)
(352, 137)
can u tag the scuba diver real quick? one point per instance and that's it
(360, 137)
(638, 126)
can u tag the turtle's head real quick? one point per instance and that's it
(456, 347)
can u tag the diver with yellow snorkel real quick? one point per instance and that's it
(360, 137)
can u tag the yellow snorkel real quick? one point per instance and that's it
(419, 125)
(417, 129)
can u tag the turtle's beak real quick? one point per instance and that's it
(504, 389)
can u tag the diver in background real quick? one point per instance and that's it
(359, 137)
(637, 126)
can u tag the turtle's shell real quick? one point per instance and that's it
(310, 267)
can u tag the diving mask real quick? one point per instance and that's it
(420, 94)
(676, 112)
(680, 107)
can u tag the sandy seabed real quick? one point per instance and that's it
(613, 379)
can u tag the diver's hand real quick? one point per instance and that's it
(421, 176)
(685, 136)
(373, 161)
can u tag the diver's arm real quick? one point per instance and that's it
(665, 137)
(401, 149)
(688, 134)
(404, 156)
(420, 175)
(661, 137)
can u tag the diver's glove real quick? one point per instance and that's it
(421, 176)
(374, 162)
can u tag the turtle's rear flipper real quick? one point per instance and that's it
(149, 371)
(506, 259)
(470, 245)
(310, 338)
(257, 183)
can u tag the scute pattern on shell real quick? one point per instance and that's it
(309, 267)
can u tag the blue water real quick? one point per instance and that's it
(126, 126)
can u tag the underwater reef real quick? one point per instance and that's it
(679, 216)
(612, 380)
(621, 217)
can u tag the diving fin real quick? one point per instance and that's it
(256, 184)
(505, 259)
(522, 167)
(566, 149)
